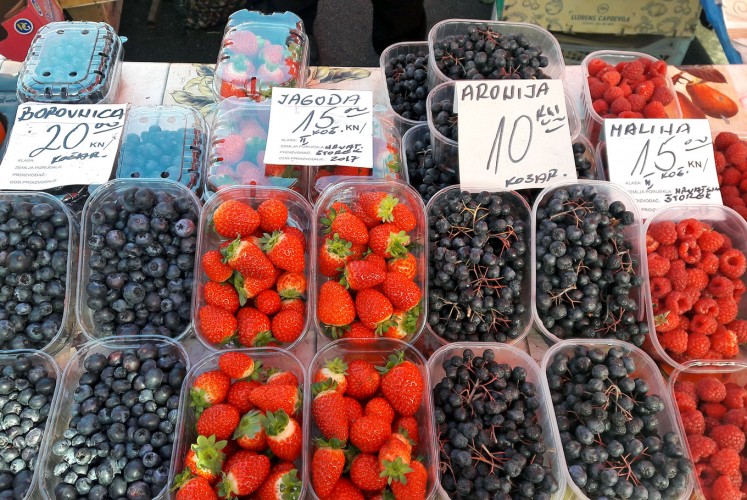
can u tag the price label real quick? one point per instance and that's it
(62, 145)
(513, 134)
(662, 161)
(320, 127)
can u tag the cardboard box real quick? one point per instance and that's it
(106, 11)
(674, 18)
(21, 19)
(670, 49)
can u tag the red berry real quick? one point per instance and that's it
(600, 106)
(662, 95)
(727, 310)
(597, 90)
(697, 279)
(660, 287)
(678, 302)
(613, 93)
(701, 447)
(619, 105)
(698, 345)
(726, 461)
(664, 232)
(645, 89)
(657, 265)
(736, 154)
(715, 411)
(724, 140)
(693, 422)
(708, 261)
(655, 109)
(595, 66)
(710, 389)
(611, 77)
(732, 263)
(703, 324)
(637, 102)
(739, 327)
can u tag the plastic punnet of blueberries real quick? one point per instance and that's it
(406, 80)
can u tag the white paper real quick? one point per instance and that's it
(320, 127)
(513, 134)
(55, 145)
(662, 161)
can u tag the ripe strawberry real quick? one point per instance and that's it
(359, 275)
(237, 364)
(250, 434)
(273, 214)
(196, 488)
(287, 326)
(291, 285)
(238, 395)
(364, 472)
(369, 433)
(710, 389)
(378, 206)
(334, 308)
(218, 325)
(394, 457)
(388, 241)
(250, 288)
(221, 295)
(234, 219)
(346, 225)
(408, 427)
(376, 260)
(363, 379)
(214, 267)
(728, 436)
(334, 369)
(407, 265)
(374, 309)
(353, 409)
(218, 420)
(281, 484)
(283, 435)
(268, 302)
(415, 484)
(205, 458)
(246, 257)
(402, 292)
(402, 384)
(403, 217)
(244, 471)
(329, 410)
(333, 255)
(285, 252)
(380, 408)
(345, 490)
(209, 388)
(293, 305)
(274, 398)
(296, 233)
(405, 323)
(280, 377)
(327, 466)
(254, 327)
(362, 333)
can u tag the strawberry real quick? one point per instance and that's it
(333, 255)
(380, 408)
(364, 472)
(358, 211)
(408, 427)
(358, 331)
(376, 260)
(244, 472)
(363, 379)
(287, 326)
(250, 434)
(403, 293)
(345, 225)
(282, 483)
(218, 420)
(254, 327)
(403, 217)
(388, 241)
(196, 488)
(283, 435)
(285, 252)
(329, 411)
(273, 398)
(238, 394)
(344, 490)
(334, 369)
(407, 265)
(280, 377)
(218, 325)
(334, 308)
(353, 408)
(405, 323)
(250, 288)
(237, 365)
(273, 214)
(378, 205)
(268, 302)
(234, 219)
(402, 384)
(296, 233)
(209, 388)
(415, 484)
(326, 466)
(369, 433)
(205, 458)
(359, 275)
(214, 267)
(374, 309)
(294, 305)
(246, 257)
(394, 457)
(291, 285)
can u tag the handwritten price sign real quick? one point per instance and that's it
(513, 134)
(320, 127)
(62, 145)
(662, 161)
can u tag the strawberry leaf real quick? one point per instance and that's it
(392, 361)
(326, 385)
(181, 478)
(395, 470)
(290, 486)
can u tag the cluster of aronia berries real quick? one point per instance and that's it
(696, 286)
(730, 153)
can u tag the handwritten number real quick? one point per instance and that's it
(497, 142)
(325, 117)
(642, 157)
(83, 137)
(305, 123)
(48, 147)
(511, 140)
(666, 152)
(495, 151)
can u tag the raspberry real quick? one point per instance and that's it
(729, 437)
(600, 106)
(655, 109)
(710, 241)
(651, 244)
(725, 139)
(665, 232)
(630, 114)
(736, 417)
(637, 102)
(734, 398)
(720, 161)
(693, 422)
(666, 322)
(611, 77)
(595, 66)
(662, 95)
(697, 345)
(720, 286)
(708, 262)
(658, 68)
(739, 327)
(685, 401)
(710, 389)
(725, 343)
(669, 252)
(706, 473)
(701, 447)
(684, 323)
(693, 293)
(690, 228)
(724, 489)
(739, 288)
(727, 244)
(731, 177)
(697, 279)
(613, 93)
(678, 302)
(675, 340)
(660, 287)
(707, 306)
(689, 251)
(657, 265)
(727, 310)
(732, 263)
(715, 411)
(626, 90)
(726, 461)
(597, 89)
(736, 153)
(645, 90)
(686, 386)
(703, 324)
(619, 105)
(736, 480)
(633, 69)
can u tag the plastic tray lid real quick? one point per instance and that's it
(289, 19)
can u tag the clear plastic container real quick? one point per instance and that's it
(347, 192)
(594, 172)
(164, 142)
(722, 219)
(75, 62)
(67, 324)
(110, 193)
(392, 52)
(186, 426)
(514, 357)
(573, 121)
(520, 210)
(417, 141)
(377, 352)
(538, 37)
(632, 233)
(388, 163)
(238, 137)
(260, 51)
(299, 215)
(62, 414)
(646, 369)
(592, 123)
(444, 149)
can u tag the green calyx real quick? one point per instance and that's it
(385, 325)
(263, 338)
(237, 280)
(338, 247)
(410, 322)
(393, 360)
(335, 331)
(326, 385)
(209, 453)
(333, 443)
(398, 243)
(329, 219)
(181, 479)
(269, 241)
(230, 251)
(290, 486)
(275, 423)
(386, 207)
(337, 365)
(249, 426)
(225, 488)
(198, 400)
(395, 470)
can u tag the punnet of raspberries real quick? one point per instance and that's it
(248, 433)
(632, 89)
(370, 440)
(365, 252)
(696, 286)
(714, 417)
(730, 153)
(254, 288)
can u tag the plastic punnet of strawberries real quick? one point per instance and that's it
(730, 153)
(365, 250)
(249, 433)
(256, 288)
(714, 418)
(696, 287)
(369, 434)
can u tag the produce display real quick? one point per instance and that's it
(730, 153)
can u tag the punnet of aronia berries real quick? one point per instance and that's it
(730, 153)
(365, 250)
(253, 288)
(713, 412)
(371, 429)
(248, 436)
(696, 287)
